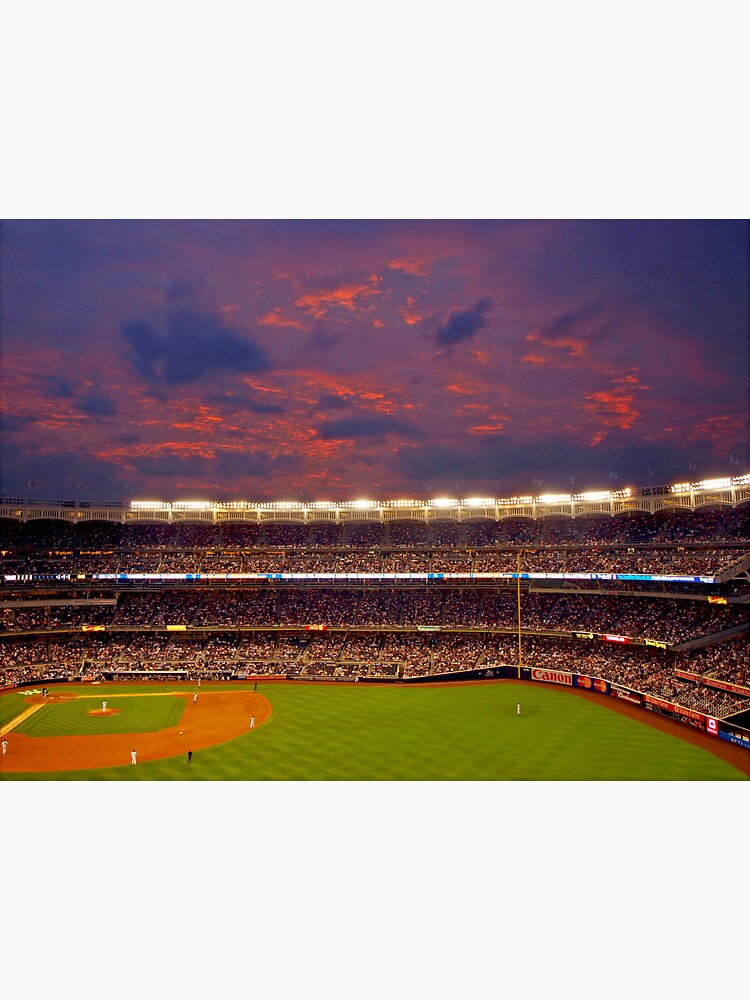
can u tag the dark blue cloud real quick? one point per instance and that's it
(367, 427)
(235, 404)
(507, 466)
(55, 386)
(331, 401)
(14, 422)
(462, 325)
(96, 405)
(572, 320)
(195, 343)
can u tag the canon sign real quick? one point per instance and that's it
(551, 676)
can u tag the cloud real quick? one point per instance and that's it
(460, 326)
(96, 405)
(419, 267)
(348, 294)
(570, 331)
(55, 386)
(335, 401)
(321, 340)
(15, 422)
(366, 427)
(194, 343)
(235, 404)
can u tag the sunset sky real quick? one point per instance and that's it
(338, 360)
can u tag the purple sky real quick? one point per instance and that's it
(336, 360)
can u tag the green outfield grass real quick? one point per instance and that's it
(73, 718)
(392, 733)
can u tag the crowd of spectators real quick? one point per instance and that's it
(683, 560)
(385, 654)
(674, 621)
(667, 527)
(729, 661)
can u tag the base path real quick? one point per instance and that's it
(216, 717)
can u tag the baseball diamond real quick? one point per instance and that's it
(327, 731)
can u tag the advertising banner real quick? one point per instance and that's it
(740, 739)
(552, 676)
(591, 683)
(625, 694)
(714, 682)
(664, 707)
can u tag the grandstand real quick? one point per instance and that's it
(647, 591)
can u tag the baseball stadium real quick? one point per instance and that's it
(584, 637)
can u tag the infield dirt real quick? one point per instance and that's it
(217, 716)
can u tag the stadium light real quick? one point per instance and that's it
(555, 498)
(715, 484)
(444, 502)
(479, 502)
(364, 504)
(595, 495)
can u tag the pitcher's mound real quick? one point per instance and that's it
(105, 711)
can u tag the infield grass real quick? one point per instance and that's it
(73, 718)
(437, 733)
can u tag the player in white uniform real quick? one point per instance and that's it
(132, 756)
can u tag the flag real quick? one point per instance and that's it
(691, 466)
(82, 486)
(536, 482)
(572, 481)
(733, 460)
(613, 476)
(32, 485)
(127, 489)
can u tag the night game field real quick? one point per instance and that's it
(329, 732)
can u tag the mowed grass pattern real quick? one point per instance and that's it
(11, 706)
(438, 733)
(73, 718)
